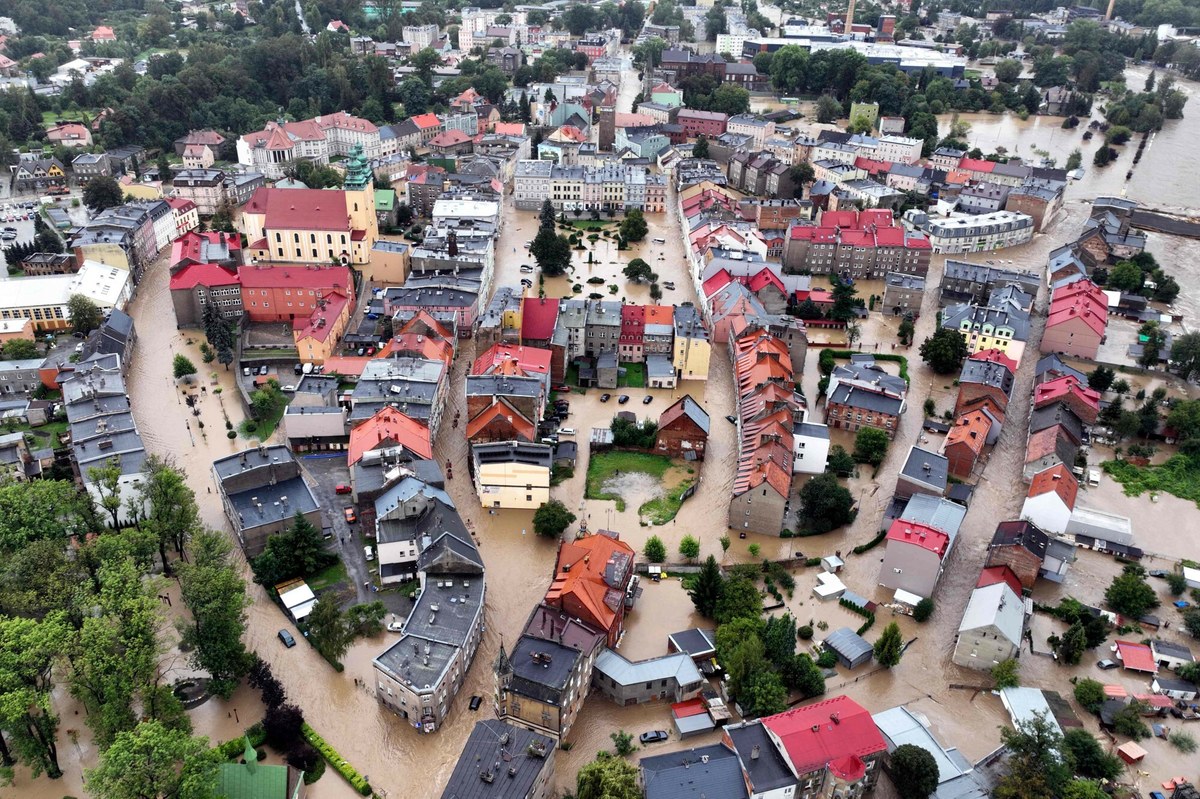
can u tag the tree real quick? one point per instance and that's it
(18, 349)
(328, 631)
(182, 366)
(85, 315)
(101, 193)
(944, 351)
(1006, 674)
(1087, 756)
(1185, 355)
(154, 761)
(700, 148)
(28, 651)
(801, 674)
(283, 726)
(633, 227)
(706, 591)
(166, 507)
(216, 595)
(1126, 276)
(297, 552)
(1072, 644)
(779, 639)
(840, 461)
(802, 175)
(546, 216)
(655, 550)
(1191, 622)
(1101, 378)
(825, 504)
(1176, 583)
(552, 518)
(607, 777)
(689, 547)
(622, 743)
(1007, 70)
(923, 610)
(914, 772)
(889, 647)
(844, 301)
(1074, 160)
(1128, 721)
(762, 694)
(828, 109)
(107, 482)
(637, 270)
(270, 689)
(725, 542)
(906, 332)
(1036, 767)
(870, 445)
(739, 599)
(552, 252)
(1090, 694)
(1130, 595)
(729, 99)
(1104, 156)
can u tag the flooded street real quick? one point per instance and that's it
(402, 762)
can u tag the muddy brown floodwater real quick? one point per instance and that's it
(402, 762)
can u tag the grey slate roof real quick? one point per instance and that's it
(768, 771)
(544, 678)
(486, 750)
(914, 467)
(940, 514)
(705, 771)
(867, 400)
(849, 644)
(1057, 414)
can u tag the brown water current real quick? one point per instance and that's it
(402, 762)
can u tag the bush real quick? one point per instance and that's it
(655, 550)
(923, 610)
(874, 542)
(827, 659)
(1182, 741)
(1090, 694)
(232, 750)
(347, 771)
(1176, 584)
(805, 632)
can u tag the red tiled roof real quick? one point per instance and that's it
(191, 245)
(995, 356)
(999, 574)
(303, 277)
(579, 580)
(300, 209)
(1057, 479)
(350, 366)
(389, 425)
(502, 409)
(449, 138)
(183, 204)
(921, 535)
(717, 282)
(202, 275)
(890, 237)
(431, 348)
(976, 165)
(970, 429)
(819, 734)
(509, 128)
(426, 121)
(335, 303)
(512, 359)
(692, 707)
(1064, 386)
(424, 318)
(1136, 657)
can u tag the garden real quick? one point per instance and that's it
(613, 475)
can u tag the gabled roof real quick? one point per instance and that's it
(300, 209)
(919, 535)
(971, 429)
(522, 427)
(818, 734)
(426, 121)
(449, 138)
(685, 406)
(1055, 480)
(997, 605)
(389, 424)
(1136, 657)
(999, 574)
(579, 577)
(1064, 386)
(209, 275)
(995, 356)
(538, 318)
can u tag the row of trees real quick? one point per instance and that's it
(84, 612)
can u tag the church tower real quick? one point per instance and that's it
(360, 203)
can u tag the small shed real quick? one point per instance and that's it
(1191, 576)
(851, 648)
(1175, 689)
(1130, 752)
(297, 597)
(691, 717)
(828, 587)
(832, 564)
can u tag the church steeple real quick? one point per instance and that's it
(503, 667)
(358, 171)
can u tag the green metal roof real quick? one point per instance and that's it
(252, 781)
(385, 199)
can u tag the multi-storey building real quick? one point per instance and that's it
(982, 233)
(612, 187)
(864, 245)
(278, 146)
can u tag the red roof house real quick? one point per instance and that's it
(591, 577)
(1076, 321)
(967, 441)
(1000, 574)
(512, 359)
(1051, 498)
(914, 557)
(389, 428)
(1069, 390)
(836, 734)
(539, 316)
(1136, 657)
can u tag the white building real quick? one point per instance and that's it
(991, 627)
(276, 147)
(898, 149)
(757, 128)
(419, 36)
(1051, 499)
(967, 233)
(810, 448)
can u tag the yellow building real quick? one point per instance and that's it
(316, 226)
(389, 263)
(512, 474)
(318, 335)
(693, 350)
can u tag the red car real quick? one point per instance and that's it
(351, 515)
(342, 488)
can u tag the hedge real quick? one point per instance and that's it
(348, 771)
(853, 608)
(867, 624)
(900, 359)
(232, 750)
(874, 542)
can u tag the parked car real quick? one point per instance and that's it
(342, 488)
(653, 737)
(561, 389)
(372, 316)
(298, 369)
(1107, 664)
(370, 350)
(350, 514)
(566, 431)
(731, 419)
(262, 370)
(368, 553)
(1158, 572)
(287, 639)
(245, 371)
(624, 398)
(605, 397)
(646, 400)
(475, 702)
(526, 269)
(361, 350)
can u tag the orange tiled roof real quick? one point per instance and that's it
(389, 424)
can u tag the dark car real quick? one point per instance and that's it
(476, 701)
(647, 399)
(1158, 573)
(731, 419)
(624, 398)
(287, 639)
(653, 737)
(605, 397)
(1107, 664)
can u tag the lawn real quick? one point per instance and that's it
(263, 428)
(41, 437)
(607, 464)
(635, 376)
(663, 509)
(271, 352)
(590, 224)
(328, 577)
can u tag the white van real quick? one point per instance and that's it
(566, 431)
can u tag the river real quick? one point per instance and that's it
(403, 762)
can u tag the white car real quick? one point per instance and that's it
(368, 553)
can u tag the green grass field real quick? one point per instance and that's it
(606, 464)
